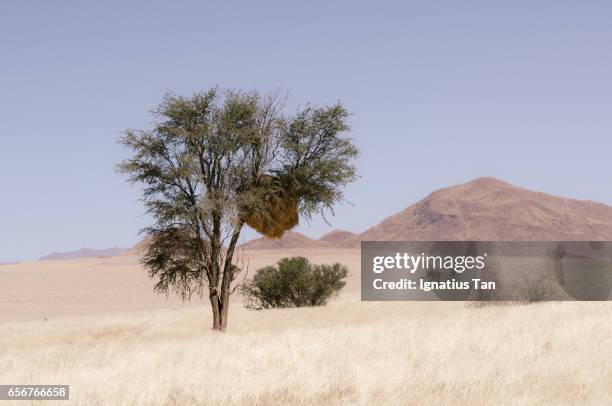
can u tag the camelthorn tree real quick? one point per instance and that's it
(218, 160)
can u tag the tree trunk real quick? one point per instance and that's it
(214, 303)
(220, 297)
(225, 296)
(220, 310)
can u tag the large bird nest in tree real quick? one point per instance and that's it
(272, 208)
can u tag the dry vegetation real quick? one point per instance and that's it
(347, 353)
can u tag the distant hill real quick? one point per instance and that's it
(139, 248)
(340, 239)
(83, 253)
(290, 239)
(489, 209)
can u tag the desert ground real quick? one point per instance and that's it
(116, 343)
(42, 290)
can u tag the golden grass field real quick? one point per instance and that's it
(350, 352)
(416, 353)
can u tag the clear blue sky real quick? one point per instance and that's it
(442, 92)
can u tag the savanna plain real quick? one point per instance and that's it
(149, 350)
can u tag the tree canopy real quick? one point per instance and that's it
(218, 160)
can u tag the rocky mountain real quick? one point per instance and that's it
(489, 209)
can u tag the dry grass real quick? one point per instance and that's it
(346, 353)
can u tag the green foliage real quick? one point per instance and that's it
(316, 162)
(294, 282)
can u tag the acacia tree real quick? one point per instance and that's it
(218, 160)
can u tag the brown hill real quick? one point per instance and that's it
(340, 239)
(290, 239)
(140, 247)
(489, 209)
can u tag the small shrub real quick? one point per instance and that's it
(540, 290)
(294, 282)
(543, 290)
